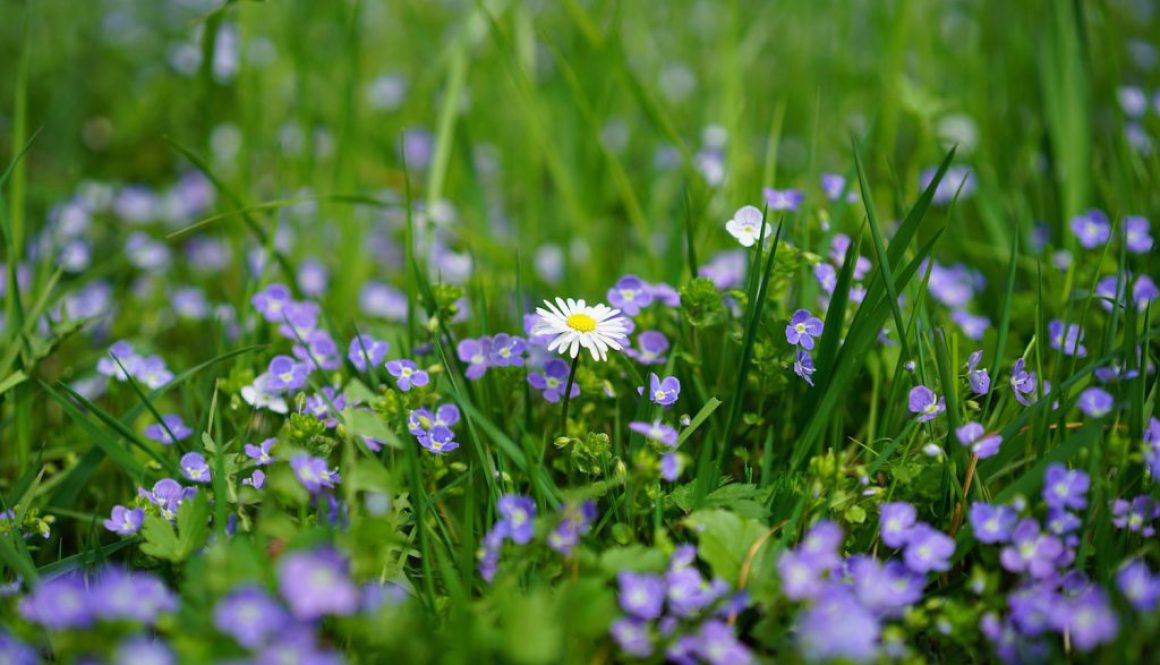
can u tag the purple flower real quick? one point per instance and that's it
(1137, 235)
(632, 636)
(821, 544)
(15, 652)
(1023, 383)
(407, 374)
(261, 453)
(925, 403)
(58, 603)
(827, 277)
(630, 295)
(299, 319)
(992, 524)
(952, 286)
(726, 269)
(475, 353)
(1136, 516)
(652, 346)
(194, 467)
(383, 301)
(838, 627)
(173, 425)
(365, 348)
(285, 374)
(803, 327)
(438, 440)
(576, 520)
(928, 549)
(250, 616)
(507, 351)
(671, 467)
(803, 365)
(317, 583)
(1066, 338)
(1091, 228)
(168, 495)
(974, 327)
(887, 589)
(641, 595)
(125, 595)
(1031, 551)
(1114, 373)
(665, 294)
(257, 479)
(975, 437)
(1140, 587)
(957, 179)
(979, 379)
(320, 405)
(655, 431)
(124, 521)
(833, 185)
(1064, 488)
(784, 199)
(517, 513)
(663, 392)
(144, 649)
(800, 577)
(895, 523)
(1088, 619)
(1095, 402)
(553, 380)
(320, 351)
(313, 472)
(717, 644)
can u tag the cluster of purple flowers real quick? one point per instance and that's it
(1093, 230)
(503, 350)
(516, 523)
(72, 600)
(433, 430)
(123, 362)
(632, 294)
(955, 287)
(679, 613)
(801, 330)
(167, 495)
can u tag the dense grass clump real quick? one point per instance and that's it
(703, 331)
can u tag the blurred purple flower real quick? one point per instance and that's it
(317, 583)
(250, 616)
(173, 425)
(630, 295)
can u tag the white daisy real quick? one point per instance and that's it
(574, 324)
(746, 226)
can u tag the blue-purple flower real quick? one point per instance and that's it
(803, 366)
(655, 431)
(313, 472)
(651, 347)
(250, 616)
(475, 353)
(366, 351)
(172, 430)
(517, 513)
(1065, 488)
(895, 523)
(317, 583)
(1091, 228)
(125, 521)
(802, 328)
(928, 549)
(925, 403)
(992, 524)
(782, 199)
(975, 437)
(663, 391)
(407, 374)
(1095, 402)
(194, 467)
(978, 378)
(630, 295)
(552, 381)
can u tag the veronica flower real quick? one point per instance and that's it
(130, 595)
(1114, 373)
(973, 435)
(125, 521)
(833, 185)
(630, 295)
(260, 396)
(838, 627)
(895, 523)
(974, 327)
(783, 199)
(992, 524)
(1136, 516)
(194, 467)
(958, 181)
(383, 301)
(261, 452)
(655, 431)
(552, 380)
(438, 440)
(250, 616)
(285, 374)
(517, 513)
(726, 269)
(979, 379)
(1064, 488)
(1091, 228)
(1087, 619)
(641, 595)
(15, 652)
(802, 328)
(827, 277)
(299, 319)
(717, 644)
(407, 374)
(271, 301)
(747, 226)
(257, 479)
(652, 347)
(319, 352)
(364, 348)
(153, 373)
(1031, 551)
(671, 466)
(1095, 402)
(889, 588)
(665, 294)
(576, 325)
(168, 495)
(928, 549)
(803, 365)
(925, 403)
(474, 352)
(317, 583)
(58, 603)
(1067, 338)
(632, 636)
(1137, 234)
(576, 520)
(506, 351)
(800, 577)
(313, 472)
(663, 392)
(1023, 383)
(1140, 587)
(324, 404)
(173, 430)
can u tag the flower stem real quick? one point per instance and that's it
(568, 390)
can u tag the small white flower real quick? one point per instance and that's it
(257, 396)
(746, 226)
(574, 325)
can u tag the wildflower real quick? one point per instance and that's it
(833, 185)
(958, 181)
(992, 524)
(979, 379)
(655, 431)
(366, 351)
(726, 269)
(58, 603)
(827, 277)
(747, 225)
(261, 452)
(973, 435)
(925, 403)
(688, 592)
(317, 583)
(663, 392)
(803, 327)
(383, 301)
(632, 636)
(438, 440)
(671, 466)
(1023, 383)
(665, 294)
(15, 652)
(717, 644)
(1091, 228)
(821, 544)
(507, 351)
(1114, 373)
(299, 319)
(313, 472)
(474, 352)
(144, 649)
(1139, 585)
(1088, 619)
(895, 523)
(641, 595)
(552, 380)
(652, 347)
(838, 627)
(1095, 402)
(887, 588)
(1136, 516)
(124, 521)
(576, 520)
(928, 549)
(630, 295)
(285, 374)
(194, 467)
(783, 199)
(320, 351)
(1066, 338)
(1031, 551)
(1137, 235)
(517, 513)
(407, 374)
(1064, 488)
(250, 616)
(974, 327)
(168, 495)
(130, 595)
(271, 301)
(322, 404)
(260, 396)
(257, 479)
(174, 429)
(153, 373)
(576, 325)
(800, 577)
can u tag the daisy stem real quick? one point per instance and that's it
(568, 390)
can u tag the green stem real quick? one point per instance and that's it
(568, 389)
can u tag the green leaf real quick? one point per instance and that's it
(370, 425)
(163, 542)
(724, 539)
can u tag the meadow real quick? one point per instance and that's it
(579, 331)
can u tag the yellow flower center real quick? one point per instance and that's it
(581, 323)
